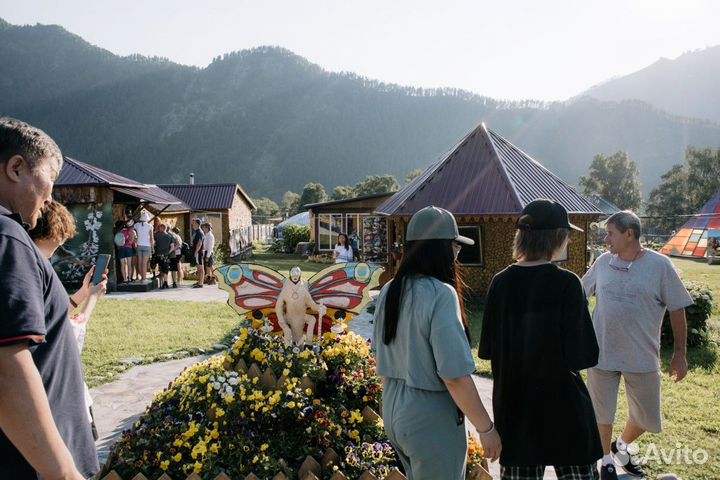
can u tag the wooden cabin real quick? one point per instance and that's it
(486, 181)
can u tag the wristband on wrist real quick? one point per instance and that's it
(489, 431)
(72, 302)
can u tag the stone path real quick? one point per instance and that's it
(185, 292)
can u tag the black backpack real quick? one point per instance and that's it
(185, 251)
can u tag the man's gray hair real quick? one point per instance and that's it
(31, 143)
(624, 220)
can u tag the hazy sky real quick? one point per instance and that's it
(542, 49)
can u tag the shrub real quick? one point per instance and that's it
(697, 316)
(295, 234)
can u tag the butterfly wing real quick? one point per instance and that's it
(253, 289)
(345, 286)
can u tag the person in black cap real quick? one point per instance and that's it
(538, 334)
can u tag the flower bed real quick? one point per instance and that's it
(263, 408)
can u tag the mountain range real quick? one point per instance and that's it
(272, 121)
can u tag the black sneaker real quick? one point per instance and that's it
(174, 285)
(629, 462)
(608, 472)
(197, 285)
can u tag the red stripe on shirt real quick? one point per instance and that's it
(34, 338)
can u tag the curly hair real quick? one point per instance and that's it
(56, 224)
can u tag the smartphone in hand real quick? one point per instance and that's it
(101, 264)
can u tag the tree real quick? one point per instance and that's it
(413, 175)
(615, 178)
(376, 184)
(341, 192)
(266, 208)
(684, 189)
(668, 200)
(312, 193)
(290, 203)
(703, 175)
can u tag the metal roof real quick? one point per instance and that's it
(484, 174)
(208, 196)
(603, 204)
(347, 200)
(151, 194)
(75, 172)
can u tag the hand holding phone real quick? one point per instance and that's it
(101, 264)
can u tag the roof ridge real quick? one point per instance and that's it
(503, 169)
(429, 171)
(81, 166)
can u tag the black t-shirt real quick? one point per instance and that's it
(538, 333)
(34, 309)
(163, 242)
(198, 237)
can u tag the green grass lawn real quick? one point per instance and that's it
(283, 262)
(691, 408)
(151, 330)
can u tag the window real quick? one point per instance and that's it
(471, 254)
(328, 228)
(354, 224)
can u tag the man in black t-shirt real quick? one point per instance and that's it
(198, 249)
(163, 244)
(44, 430)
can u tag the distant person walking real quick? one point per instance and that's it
(209, 253)
(633, 287)
(145, 242)
(198, 242)
(343, 252)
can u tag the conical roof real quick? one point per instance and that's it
(692, 239)
(484, 174)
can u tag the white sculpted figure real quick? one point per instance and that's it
(291, 307)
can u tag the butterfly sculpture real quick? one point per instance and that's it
(336, 293)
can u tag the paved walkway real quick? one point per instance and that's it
(185, 292)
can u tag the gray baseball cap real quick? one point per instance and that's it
(434, 223)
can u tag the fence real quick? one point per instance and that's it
(241, 238)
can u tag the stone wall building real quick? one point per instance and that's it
(486, 181)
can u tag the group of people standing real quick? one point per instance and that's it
(538, 333)
(160, 246)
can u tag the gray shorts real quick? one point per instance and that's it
(643, 397)
(144, 251)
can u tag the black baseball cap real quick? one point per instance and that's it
(544, 214)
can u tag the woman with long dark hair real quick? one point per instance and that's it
(421, 343)
(343, 252)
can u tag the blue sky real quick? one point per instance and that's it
(540, 49)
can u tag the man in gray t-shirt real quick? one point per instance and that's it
(633, 287)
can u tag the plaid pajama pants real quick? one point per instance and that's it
(536, 472)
